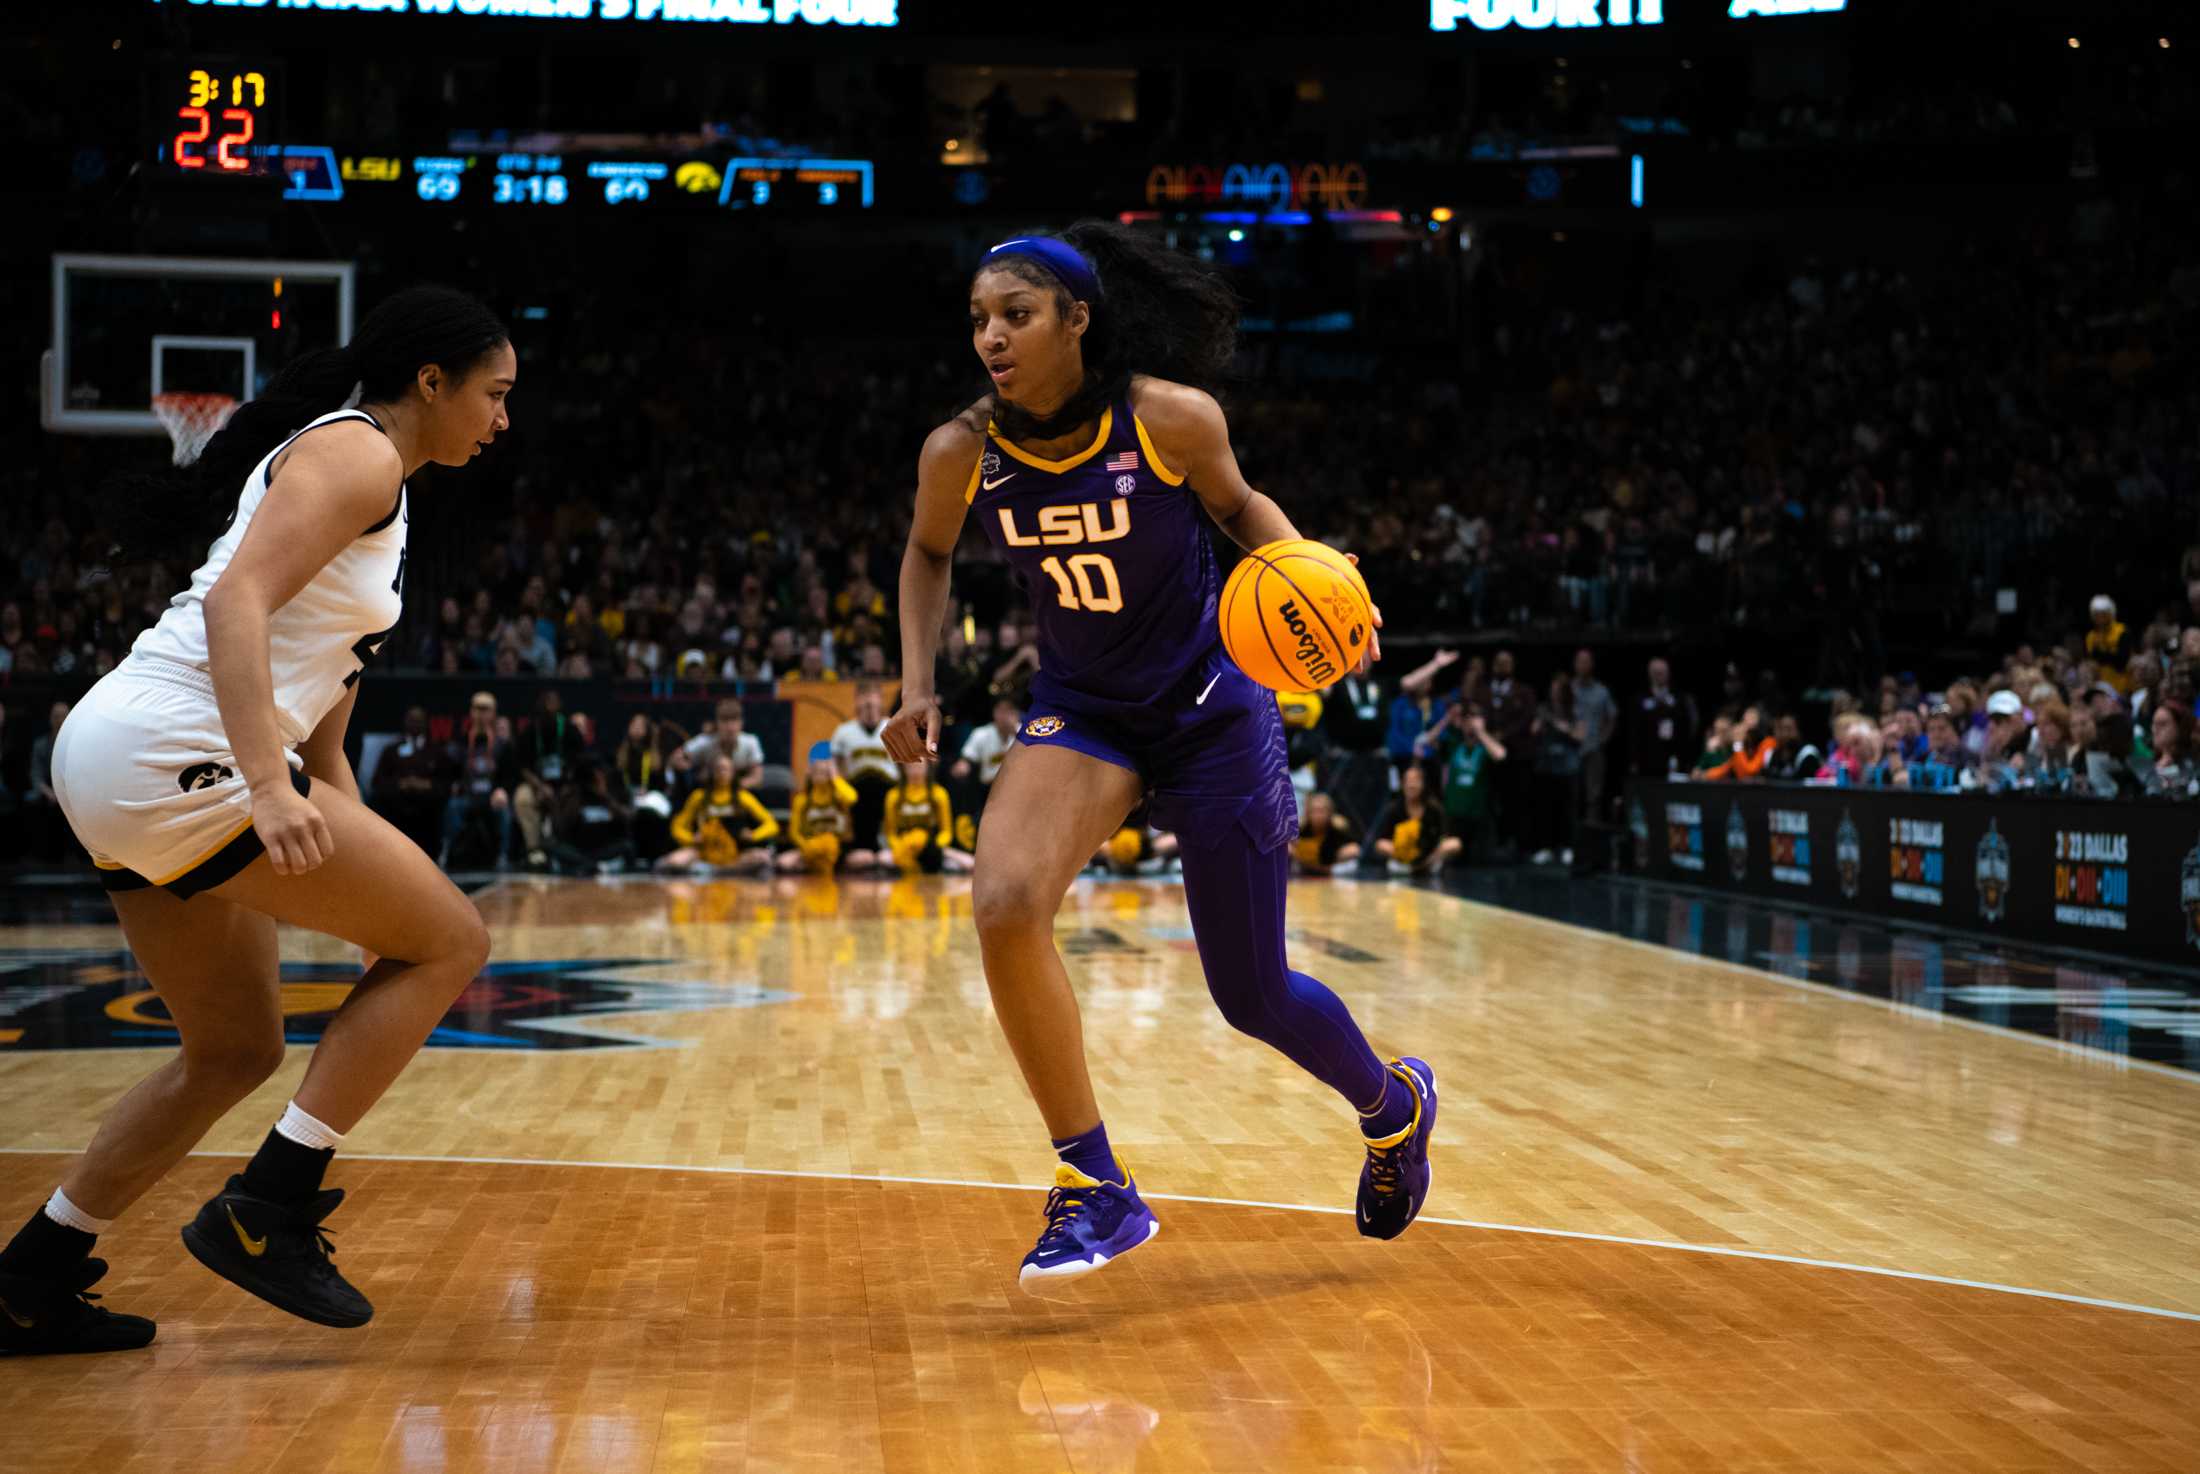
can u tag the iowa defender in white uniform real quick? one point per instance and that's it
(206, 775)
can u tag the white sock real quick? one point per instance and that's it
(69, 1215)
(297, 1126)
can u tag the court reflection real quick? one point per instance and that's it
(2129, 1011)
(1102, 1433)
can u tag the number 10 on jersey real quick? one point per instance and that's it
(1087, 581)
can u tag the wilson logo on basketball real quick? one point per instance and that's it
(1316, 665)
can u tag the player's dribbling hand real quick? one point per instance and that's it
(914, 733)
(1374, 651)
(292, 829)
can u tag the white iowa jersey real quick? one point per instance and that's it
(319, 641)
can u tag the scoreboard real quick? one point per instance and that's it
(219, 117)
(757, 183)
(554, 181)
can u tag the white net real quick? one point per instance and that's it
(191, 420)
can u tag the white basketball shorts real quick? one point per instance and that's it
(147, 780)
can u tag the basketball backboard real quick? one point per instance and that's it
(126, 328)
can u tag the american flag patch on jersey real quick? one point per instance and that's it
(1127, 461)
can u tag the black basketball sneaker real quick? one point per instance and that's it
(42, 1316)
(277, 1251)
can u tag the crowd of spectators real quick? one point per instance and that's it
(1838, 451)
(1453, 763)
(2105, 714)
(1477, 765)
(551, 791)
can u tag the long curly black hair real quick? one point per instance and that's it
(1161, 313)
(182, 509)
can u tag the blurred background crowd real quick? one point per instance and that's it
(1829, 480)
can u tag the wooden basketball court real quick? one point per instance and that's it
(735, 1176)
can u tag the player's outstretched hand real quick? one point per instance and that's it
(1374, 651)
(914, 733)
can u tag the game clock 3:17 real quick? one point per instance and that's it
(217, 117)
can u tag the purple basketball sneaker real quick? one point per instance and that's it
(1394, 1180)
(1088, 1223)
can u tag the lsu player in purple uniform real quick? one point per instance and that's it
(1093, 466)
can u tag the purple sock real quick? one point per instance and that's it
(1395, 1113)
(1090, 1154)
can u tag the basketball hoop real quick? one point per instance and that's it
(191, 420)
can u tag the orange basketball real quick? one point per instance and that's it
(1295, 615)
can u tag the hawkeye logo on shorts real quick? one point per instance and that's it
(68, 998)
(202, 775)
(1043, 726)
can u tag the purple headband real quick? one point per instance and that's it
(1064, 261)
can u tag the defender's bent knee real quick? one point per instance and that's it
(460, 938)
(233, 1067)
(470, 945)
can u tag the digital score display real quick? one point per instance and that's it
(532, 181)
(217, 117)
(759, 183)
(628, 182)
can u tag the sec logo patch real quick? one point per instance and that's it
(1043, 726)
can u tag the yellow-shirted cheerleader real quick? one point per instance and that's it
(1410, 836)
(1302, 710)
(1302, 714)
(722, 825)
(920, 826)
(823, 821)
(1327, 839)
(1137, 847)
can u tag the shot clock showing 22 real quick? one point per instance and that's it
(225, 121)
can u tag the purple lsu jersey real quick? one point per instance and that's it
(1111, 547)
